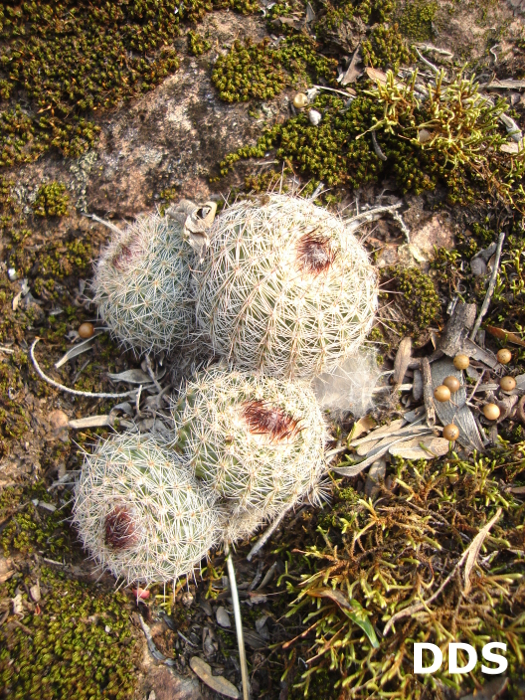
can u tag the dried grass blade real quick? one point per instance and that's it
(474, 549)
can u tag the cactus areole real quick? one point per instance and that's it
(284, 288)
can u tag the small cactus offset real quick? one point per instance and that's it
(140, 512)
(257, 442)
(142, 285)
(284, 288)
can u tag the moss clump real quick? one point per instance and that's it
(259, 71)
(420, 305)
(51, 200)
(29, 528)
(197, 44)
(369, 560)
(416, 18)
(248, 70)
(14, 421)
(65, 61)
(80, 643)
(451, 138)
(386, 48)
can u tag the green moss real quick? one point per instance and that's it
(66, 61)
(416, 18)
(460, 148)
(14, 420)
(386, 48)
(259, 71)
(248, 70)
(197, 44)
(420, 303)
(80, 643)
(51, 200)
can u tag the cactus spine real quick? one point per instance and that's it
(140, 512)
(284, 288)
(142, 285)
(256, 442)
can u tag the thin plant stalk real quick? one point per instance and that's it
(238, 624)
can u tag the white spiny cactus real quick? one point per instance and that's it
(284, 288)
(141, 513)
(142, 285)
(257, 442)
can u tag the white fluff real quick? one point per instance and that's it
(350, 387)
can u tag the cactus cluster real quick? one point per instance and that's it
(140, 513)
(283, 291)
(142, 285)
(256, 442)
(284, 288)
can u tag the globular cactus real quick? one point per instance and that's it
(257, 442)
(285, 288)
(141, 513)
(143, 285)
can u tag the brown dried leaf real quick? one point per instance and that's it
(217, 683)
(426, 447)
(403, 357)
(376, 75)
(506, 336)
(334, 595)
(474, 549)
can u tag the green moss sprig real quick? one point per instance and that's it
(51, 200)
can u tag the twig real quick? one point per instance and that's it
(108, 224)
(377, 148)
(404, 228)
(75, 392)
(372, 212)
(428, 395)
(152, 373)
(341, 92)
(238, 623)
(268, 533)
(490, 290)
(426, 61)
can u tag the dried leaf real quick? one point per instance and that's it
(363, 425)
(474, 549)
(508, 84)
(426, 447)
(456, 412)
(76, 350)
(217, 683)
(132, 376)
(380, 432)
(352, 73)
(331, 593)
(376, 75)
(506, 336)
(403, 357)
(91, 422)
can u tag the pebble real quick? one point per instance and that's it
(314, 116)
(58, 420)
(222, 617)
(478, 266)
